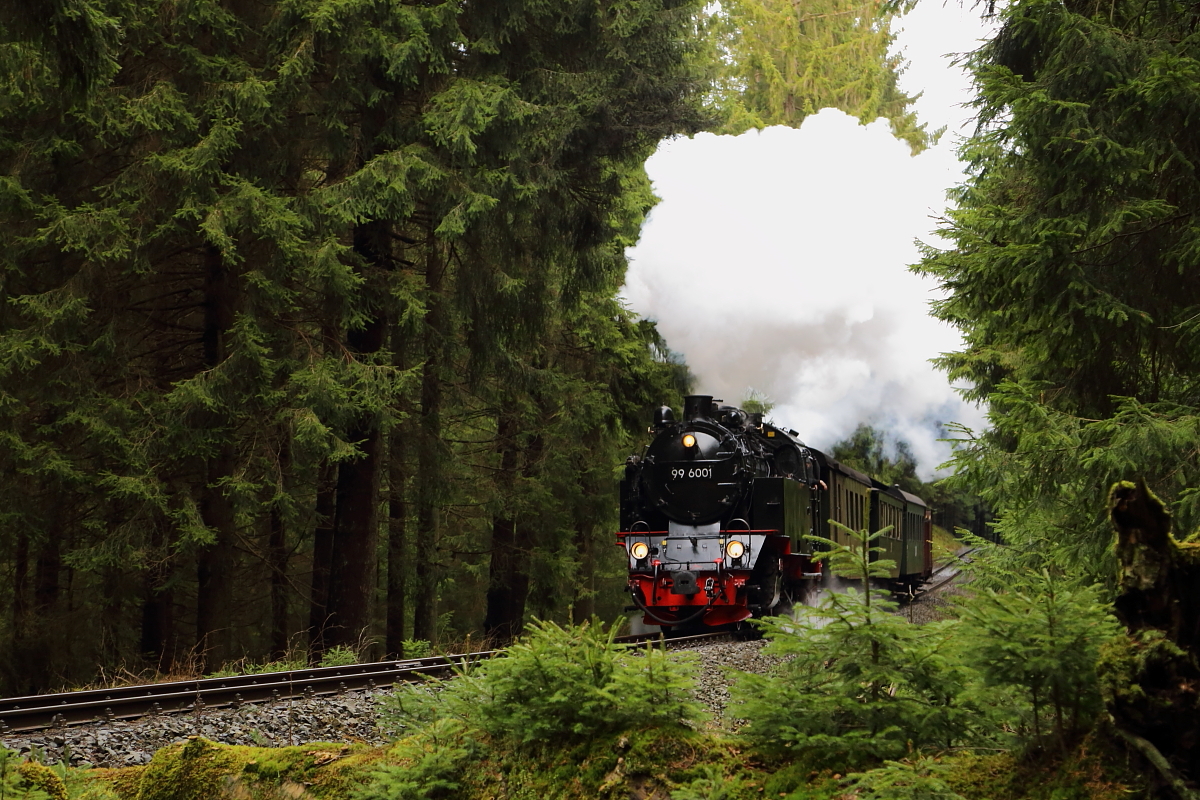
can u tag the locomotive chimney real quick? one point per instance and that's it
(696, 406)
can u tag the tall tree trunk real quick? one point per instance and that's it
(352, 573)
(425, 611)
(278, 554)
(352, 570)
(590, 493)
(46, 583)
(112, 623)
(430, 488)
(157, 623)
(277, 558)
(527, 535)
(503, 619)
(397, 546)
(322, 556)
(398, 511)
(524, 537)
(158, 609)
(20, 582)
(214, 569)
(584, 605)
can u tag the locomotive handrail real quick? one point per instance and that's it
(700, 536)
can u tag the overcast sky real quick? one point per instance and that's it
(777, 260)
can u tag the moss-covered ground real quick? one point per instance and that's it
(945, 545)
(640, 765)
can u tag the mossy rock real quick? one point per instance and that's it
(203, 770)
(195, 770)
(104, 783)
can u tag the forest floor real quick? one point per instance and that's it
(640, 765)
(452, 762)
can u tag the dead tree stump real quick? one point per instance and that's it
(1151, 678)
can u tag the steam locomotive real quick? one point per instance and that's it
(715, 514)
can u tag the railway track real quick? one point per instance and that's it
(66, 709)
(939, 580)
(942, 576)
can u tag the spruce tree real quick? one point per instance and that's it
(857, 683)
(1070, 273)
(778, 61)
(221, 226)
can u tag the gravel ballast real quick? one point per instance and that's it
(349, 718)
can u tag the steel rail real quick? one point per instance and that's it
(41, 712)
(37, 712)
(953, 568)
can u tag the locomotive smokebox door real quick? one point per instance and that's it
(685, 583)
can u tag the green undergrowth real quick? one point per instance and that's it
(338, 656)
(863, 706)
(648, 764)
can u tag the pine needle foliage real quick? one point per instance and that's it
(556, 684)
(248, 246)
(1042, 638)
(857, 683)
(918, 778)
(1070, 271)
(432, 765)
(780, 61)
(14, 783)
(857, 559)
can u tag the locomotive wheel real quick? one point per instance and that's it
(764, 594)
(788, 600)
(797, 593)
(746, 630)
(690, 629)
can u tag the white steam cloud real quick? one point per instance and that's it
(777, 260)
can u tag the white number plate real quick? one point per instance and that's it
(678, 473)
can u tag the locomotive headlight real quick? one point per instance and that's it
(639, 550)
(689, 441)
(735, 549)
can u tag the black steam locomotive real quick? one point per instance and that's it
(715, 514)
